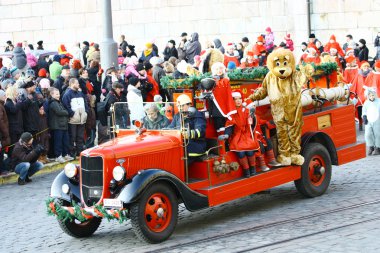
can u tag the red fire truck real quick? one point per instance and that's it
(142, 175)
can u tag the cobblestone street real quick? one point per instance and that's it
(345, 219)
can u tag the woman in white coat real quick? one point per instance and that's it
(135, 100)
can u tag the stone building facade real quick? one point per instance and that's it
(67, 21)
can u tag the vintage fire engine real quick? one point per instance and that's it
(142, 175)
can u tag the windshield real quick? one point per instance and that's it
(154, 116)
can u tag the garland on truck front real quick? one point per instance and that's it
(76, 212)
(321, 70)
(234, 75)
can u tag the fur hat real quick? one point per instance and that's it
(26, 137)
(19, 58)
(44, 83)
(42, 72)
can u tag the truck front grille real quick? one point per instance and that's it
(91, 179)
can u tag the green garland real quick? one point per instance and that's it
(191, 81)
(324, 69)
(63, 214)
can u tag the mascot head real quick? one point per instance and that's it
(281, 63)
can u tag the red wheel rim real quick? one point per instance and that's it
(158, 212)
(315, 165)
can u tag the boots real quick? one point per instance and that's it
(43, 159)
(252, 165)
(272, 160)
(370, 150)
(377, 151)
(262, 165)
(244, 164)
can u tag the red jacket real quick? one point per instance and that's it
(154, 91)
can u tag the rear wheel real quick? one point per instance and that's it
(154, 217)
(79, 229)
(315, 172)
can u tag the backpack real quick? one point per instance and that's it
(101, 110)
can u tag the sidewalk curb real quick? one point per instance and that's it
(48, 168)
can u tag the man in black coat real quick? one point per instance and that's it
(85, 48)
(24, 158)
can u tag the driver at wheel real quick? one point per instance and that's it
(153, 118)
(195, 122)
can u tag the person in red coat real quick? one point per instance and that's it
(250, 61)
(240, 129)
(332, 43)
(357, 88)
(231, 55)
(351, 70)
(373, 79)
(334, 54)
(312, 56)
(149, 76)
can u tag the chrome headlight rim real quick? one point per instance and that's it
(70, 170)
(118, 173)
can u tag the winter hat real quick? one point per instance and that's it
(269, 30)
(44, 83)
(250, 53)
(362, 41)
(230, 45)
(312, 36)
(287, 37)
(260, 39)
(231, 65)
(350, 59)
(237, 93)
(140, 67)
(42, 72)
(62, 49)
(377, 64)
(312, 46)
(363, 64)
(26, 137)
(133, 81)
(332, 37)
(14, 71)
(57, 58)
(156, 60)
(157, 98)
(245, 39)
(149, 45)
(19, 58)
(349, 50)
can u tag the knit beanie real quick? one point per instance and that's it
(42, 72)
(44, 83)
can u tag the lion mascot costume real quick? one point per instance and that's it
(283, 86)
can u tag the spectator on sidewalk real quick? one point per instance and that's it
(76, 104)
(4, 132)
(58, 124)
(24, 158)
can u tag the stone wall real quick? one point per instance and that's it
(67, 21)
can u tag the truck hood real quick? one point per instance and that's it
(133, 144)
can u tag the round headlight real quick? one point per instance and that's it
(118, 173)
(70, 170)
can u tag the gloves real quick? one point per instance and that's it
(39, 149)
(189, 134)
(365, 120)
(223, 137)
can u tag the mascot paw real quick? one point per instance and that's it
(284, 160)
(297, 159)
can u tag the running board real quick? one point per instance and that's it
(351, 153)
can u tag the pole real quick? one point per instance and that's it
(108, 47)
(308, 6)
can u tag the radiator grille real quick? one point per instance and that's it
(91, 179)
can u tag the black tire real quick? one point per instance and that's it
(158, 195)
(80, 229)
(314, 154)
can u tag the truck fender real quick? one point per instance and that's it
(56, 188)
(132, 191)
(322, 138)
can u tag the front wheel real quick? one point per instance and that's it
(315, 172)
(79, 229)
(154, 217)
